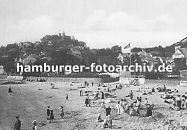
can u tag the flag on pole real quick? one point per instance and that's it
(126, 49)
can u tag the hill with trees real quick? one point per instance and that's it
(66, 50)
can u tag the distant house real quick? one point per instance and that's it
(25, 45)
(147, 57)
(30, 59)
(180, 58)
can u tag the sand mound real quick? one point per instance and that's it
(158, 115)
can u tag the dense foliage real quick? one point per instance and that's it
(62, 50)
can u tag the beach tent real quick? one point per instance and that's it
(127, 79)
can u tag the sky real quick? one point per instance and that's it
(99, 23)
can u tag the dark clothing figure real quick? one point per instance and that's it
(179, 104)
(17, 125)
(153, 90)
(9, 90)
(62, 112)
(102, 95)
(66, 96)
(87, 101)
(92, 83)
(164, 89)
(81, 93)
(108, 110)
(51, 116)
(131, 95)
(48, 113)
(149, 111)
(139, 99)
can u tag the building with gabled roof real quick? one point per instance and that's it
(180, 53)
(180, 58)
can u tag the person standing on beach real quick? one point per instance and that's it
(102, 95)
(80, 93)
(17, 125)
(51, 116)
(62, 112)
(118, 108)
(87, 101)
(67, 97)
(108, 110)
(34, 127)
(9, 90)
(146, 102)
(48, 112)
(131, 95)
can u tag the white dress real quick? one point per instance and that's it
(118, 109)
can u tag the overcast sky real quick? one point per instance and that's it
(100, 23)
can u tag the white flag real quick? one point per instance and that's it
(126, 49)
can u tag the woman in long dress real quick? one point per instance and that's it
(118, 108)
(62, 112)
(121, 107)
(51, 116)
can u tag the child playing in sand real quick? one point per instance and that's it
(107, 122)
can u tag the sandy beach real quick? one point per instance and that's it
(30, 100)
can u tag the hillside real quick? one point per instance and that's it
(63, 49)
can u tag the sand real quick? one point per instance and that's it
(30, 100)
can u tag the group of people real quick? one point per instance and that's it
(50, 115)
(17, 125)
(107, 122)
(180, 102)
(133, 108)
(99, 95)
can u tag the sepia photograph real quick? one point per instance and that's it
(93, 65)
